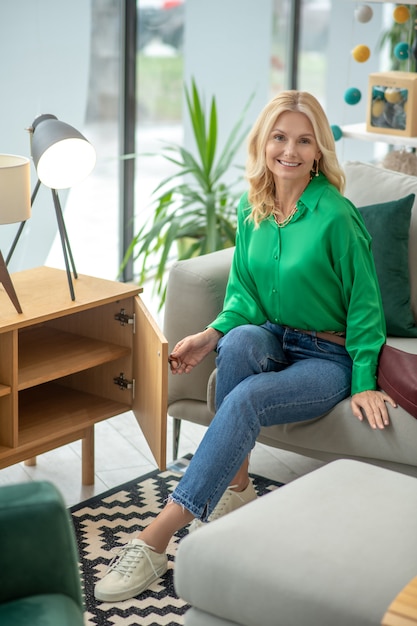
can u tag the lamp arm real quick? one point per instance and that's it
(65, 242)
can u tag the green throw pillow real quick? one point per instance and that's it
(388, 224)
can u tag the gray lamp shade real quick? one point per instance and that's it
(14, 189)
(61, 154)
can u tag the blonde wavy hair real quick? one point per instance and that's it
(261, 182)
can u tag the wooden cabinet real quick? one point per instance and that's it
(65, 365)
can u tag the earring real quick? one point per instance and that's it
(316, 168)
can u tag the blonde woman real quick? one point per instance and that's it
(301, 327)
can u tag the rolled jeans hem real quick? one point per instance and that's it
(197, 512)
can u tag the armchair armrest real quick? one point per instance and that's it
(38, 553)
(195, 294)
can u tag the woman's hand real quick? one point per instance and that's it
(372, 404)
(191, 350)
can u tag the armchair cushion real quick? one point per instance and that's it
(369, 184)
(389, 224)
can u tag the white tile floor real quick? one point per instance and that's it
(122, 454)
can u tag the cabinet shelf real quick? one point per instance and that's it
(5, 390)
(67, 409)
(46, 354)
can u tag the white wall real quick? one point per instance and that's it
(44, 48)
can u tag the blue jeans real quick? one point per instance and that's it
(266, 375)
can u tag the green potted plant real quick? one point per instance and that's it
(396, 34)
(195, 208)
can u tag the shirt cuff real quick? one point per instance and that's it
(363, 379)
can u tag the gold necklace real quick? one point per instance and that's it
(287, 220)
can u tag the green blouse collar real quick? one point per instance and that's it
(313, 192)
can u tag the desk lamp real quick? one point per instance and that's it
(62, 157)
(14, 206)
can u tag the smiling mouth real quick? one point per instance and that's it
(287, 163)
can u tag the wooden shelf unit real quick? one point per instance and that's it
(66, 365)
(358, 131)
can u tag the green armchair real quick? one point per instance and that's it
(39, 575)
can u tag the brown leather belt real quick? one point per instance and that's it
(339, 339)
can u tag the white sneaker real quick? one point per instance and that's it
(131, 572)
(229, 501)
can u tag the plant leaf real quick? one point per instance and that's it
(194, 205)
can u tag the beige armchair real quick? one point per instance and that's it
(195, 295)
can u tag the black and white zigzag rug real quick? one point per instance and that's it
(108, 521)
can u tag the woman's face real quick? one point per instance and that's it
(291, 148)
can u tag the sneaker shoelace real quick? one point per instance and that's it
(127, 557)
(224, 500)
(219, 508)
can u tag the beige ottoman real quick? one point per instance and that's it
(332, 548)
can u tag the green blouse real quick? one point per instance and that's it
(315, 273)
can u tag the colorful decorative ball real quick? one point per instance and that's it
(401, 14)
(352, 95)
(361, 53)
(378, 107)
(337, 132)
(378, 92)
(363, 13)
(402, 50)
(392, 95)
